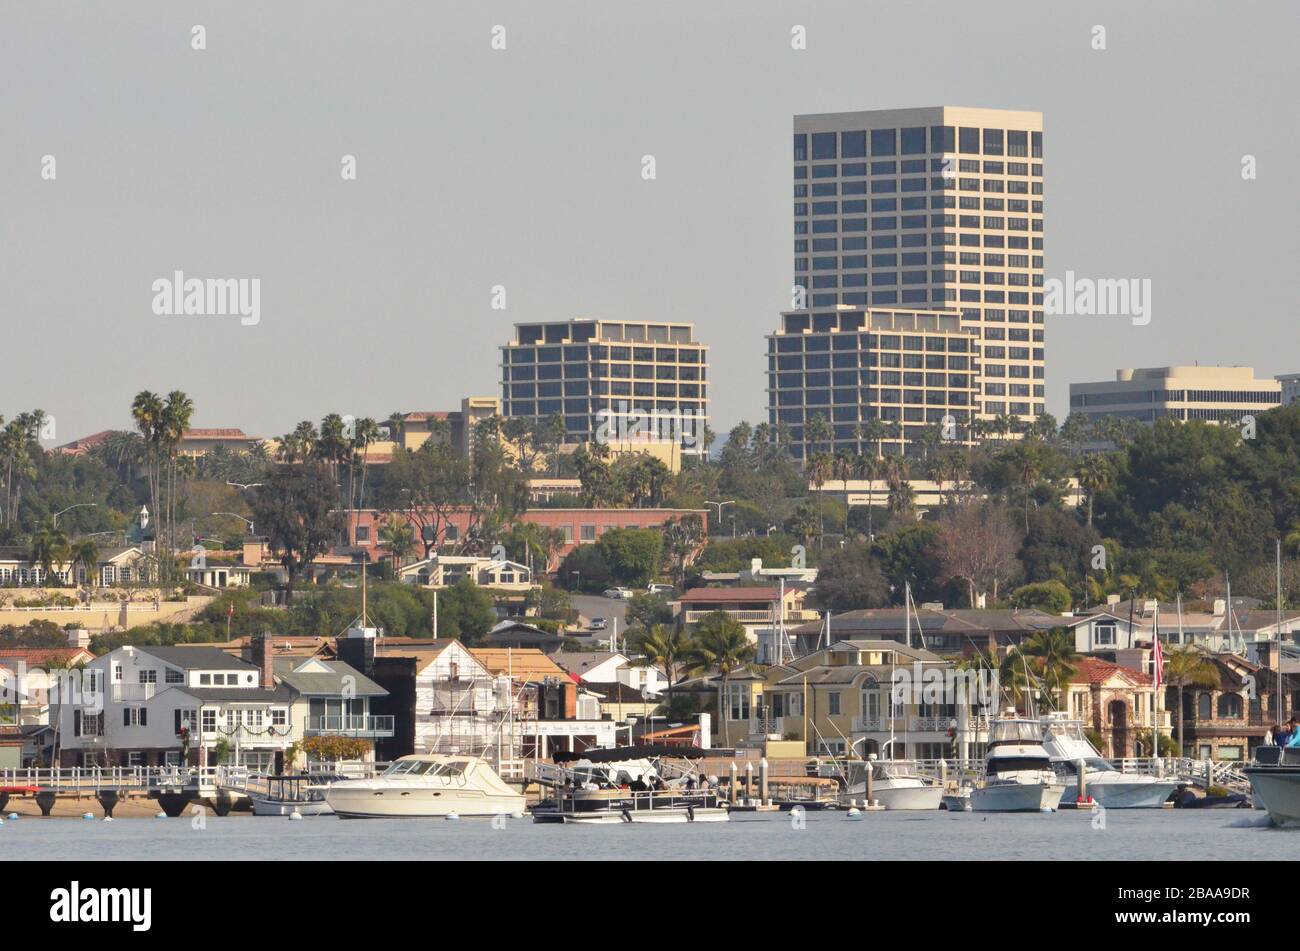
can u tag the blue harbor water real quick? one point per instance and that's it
(1178, 835)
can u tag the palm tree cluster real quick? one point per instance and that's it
(162, 425)
(18, 446)
(718, 645)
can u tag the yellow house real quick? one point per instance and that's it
(837, 702)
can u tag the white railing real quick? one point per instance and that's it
(100, 606)
(130, 692)
(93, 778)
(362, 725)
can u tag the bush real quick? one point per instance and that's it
(1050, 596)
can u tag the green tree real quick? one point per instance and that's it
(294, 509)
(49, 547)
(632, 554)
(465, 612)
(1050, 596)
(849, 579)
(398, 536)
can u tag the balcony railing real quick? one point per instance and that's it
(379, 726)
(134, 692)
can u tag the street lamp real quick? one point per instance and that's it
(719, 506)
(79, 505)
(246, 521)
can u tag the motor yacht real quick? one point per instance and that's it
(427, 786)
(1066, 744)
(1018, 774)
(895, 784)
(1274, 776)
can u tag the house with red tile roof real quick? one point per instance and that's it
(1115, 702)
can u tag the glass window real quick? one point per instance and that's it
(913, 140)
(853, 144)
(823, 145)
(884, 141)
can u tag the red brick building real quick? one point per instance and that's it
(578, 526)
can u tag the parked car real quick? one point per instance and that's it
(619, 594)
(659, 588)
(599, 624)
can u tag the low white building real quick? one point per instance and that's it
(441, 571)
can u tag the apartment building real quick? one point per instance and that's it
(876, 376)
(611, 381)
(935, 208)
(1208, 393)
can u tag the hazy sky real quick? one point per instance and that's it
(522, 168)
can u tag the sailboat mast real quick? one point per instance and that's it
(1281, 701)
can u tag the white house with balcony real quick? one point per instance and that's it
(440, 571)
(160, 706)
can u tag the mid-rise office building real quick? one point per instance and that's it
(935, 208)
(907, 369)
(612, 381)
(1290, 388)
(1212, 394)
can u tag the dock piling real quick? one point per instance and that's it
(45, 800)
(764, 793)
(1081, 769)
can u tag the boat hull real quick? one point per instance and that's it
(1277, 789)
(1016, 797)
(641, 817)
(283, 807)
(910, 799)
(376, 802)
(1124, 795)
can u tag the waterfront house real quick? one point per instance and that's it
(598, 668)
(838, 701)
(1228, 719)
(503, 702)
(115, 566)
(198, 705)
(1116, 703)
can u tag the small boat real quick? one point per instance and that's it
(1066, 744)
(1018, 774)
(956, 802)
(896, 785)
(1274, 776)
(426, 786)
(626, 785)
(286, 795)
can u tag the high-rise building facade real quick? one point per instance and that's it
(878, 376)
(612, 381)
(936, 208)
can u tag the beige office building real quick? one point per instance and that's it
(626, 384)
(1214, 394)
(936, 208)
(907, 369)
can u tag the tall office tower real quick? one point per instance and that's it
(937, 208)
(623, 383)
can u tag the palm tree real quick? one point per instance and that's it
(843, 467)
(667, 647)
(175, 420)
(1188, 667)
(1054, 652)
(819, 470)
(85, 553)
(867, 467)
(1094, 473)
(722, 644)
(147, 411)
(817, 431)
(399, 536)
(49, 546)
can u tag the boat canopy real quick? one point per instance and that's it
(620, 754)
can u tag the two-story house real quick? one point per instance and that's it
(198, 705)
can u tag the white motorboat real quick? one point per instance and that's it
(1018, 774)
(1066, 744)
(286, 795)
(427, 786)
(896, 785)
(1274, 776)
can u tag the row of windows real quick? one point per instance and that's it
(598, 353)
(852, 179)
(787, 381)
(823, 342)
(616, 371)
(919, 296)
(917, 140)
(938, 239)
(919, 222)
(529, 391)
(871, 397)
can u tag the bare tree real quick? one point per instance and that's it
(977, 543)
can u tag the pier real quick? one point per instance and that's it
(174, 787)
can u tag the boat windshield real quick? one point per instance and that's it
(1071, 730)
(1015, 731)
(999, 765)
(410, 767)
(1092, 764)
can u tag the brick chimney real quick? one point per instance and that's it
(264, 658)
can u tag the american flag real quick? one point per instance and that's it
(1158, 663)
